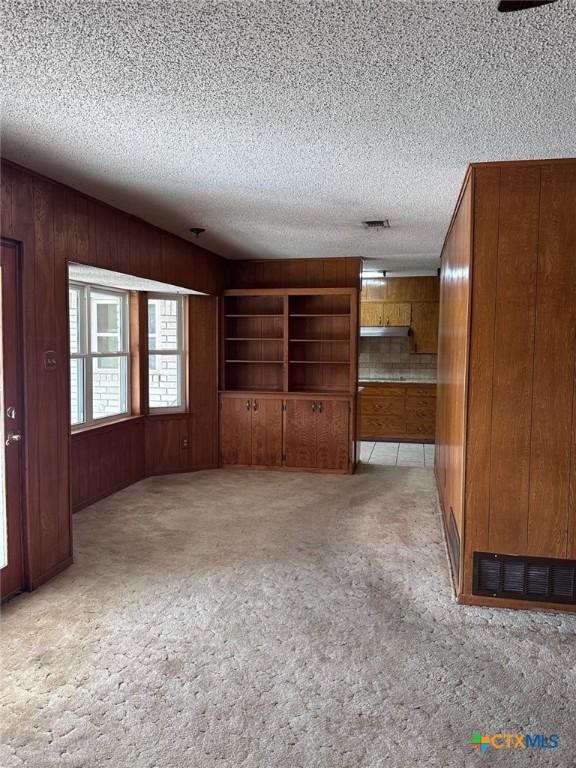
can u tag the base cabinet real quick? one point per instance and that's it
(397, 412)
(313, 433)
(317, 434)
(251, 431)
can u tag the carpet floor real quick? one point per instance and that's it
(269, 620)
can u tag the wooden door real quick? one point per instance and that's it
(332, 434)
(11, 422)
(267, 432)
(425, 327)
(371, 313)
(300, 433)
(236, 431)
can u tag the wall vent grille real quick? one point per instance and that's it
(454, 544)
(548, 579)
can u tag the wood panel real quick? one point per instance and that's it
(481, 363)
(167, 444)
(267, 417)
(236, 431)
(203, 380)
(515, 314)
(105, 459)
(521, 418)
(452, 359)
(424, 324)
(295, 273)
(300, 433)
(554, 361)
(401, 289)
(332, 434)
(55, 224)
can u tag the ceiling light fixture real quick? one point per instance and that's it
(197, 231)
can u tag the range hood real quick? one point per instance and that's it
(384, 331)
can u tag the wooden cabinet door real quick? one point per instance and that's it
(396, 314)
(236, 430)
(300, 433)
(332, 434)
(267, 432)
(424, 325)
(371, 313)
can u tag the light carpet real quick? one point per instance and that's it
(261, 620)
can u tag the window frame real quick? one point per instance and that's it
(181, 351)
(85, 354)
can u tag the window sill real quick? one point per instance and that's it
(81, 429)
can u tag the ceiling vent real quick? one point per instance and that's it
(376, 224)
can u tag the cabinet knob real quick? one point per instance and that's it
(248, 405)
(314, 406)
(255, 405)
(320, 407)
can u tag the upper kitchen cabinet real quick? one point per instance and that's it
(424, 326)
(380, 313)
(404, 301)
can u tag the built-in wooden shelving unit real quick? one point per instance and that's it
(297, 340)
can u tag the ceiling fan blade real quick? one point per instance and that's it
(506, 6)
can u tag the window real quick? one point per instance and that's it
(99, 365)
(166, 353)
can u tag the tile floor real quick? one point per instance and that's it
(397, 454)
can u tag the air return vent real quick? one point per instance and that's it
(525, 578)
(376, 224)
(454, 544)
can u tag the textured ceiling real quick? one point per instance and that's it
(280, 125)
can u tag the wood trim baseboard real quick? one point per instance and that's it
(49, 574)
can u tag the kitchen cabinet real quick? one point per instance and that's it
(298, 432)
(393, 411)
(250, 431)
(379, 313)
(424, 324)
(236, 430)
(317, 434)
(267, 432)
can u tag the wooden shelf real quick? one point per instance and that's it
(254, 338)
(320, 389)
(319, 362)
(282, 321)
(266, 362)
(321, 341)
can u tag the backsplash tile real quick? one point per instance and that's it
(389, 359)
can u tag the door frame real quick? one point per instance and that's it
(16, 245)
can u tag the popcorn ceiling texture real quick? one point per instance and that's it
(282, 620)
(281, 125)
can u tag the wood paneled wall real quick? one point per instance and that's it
(512, 364)
(55, 224)
(451, 390)
(295, 273)
(401, 289)
(105, 459)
